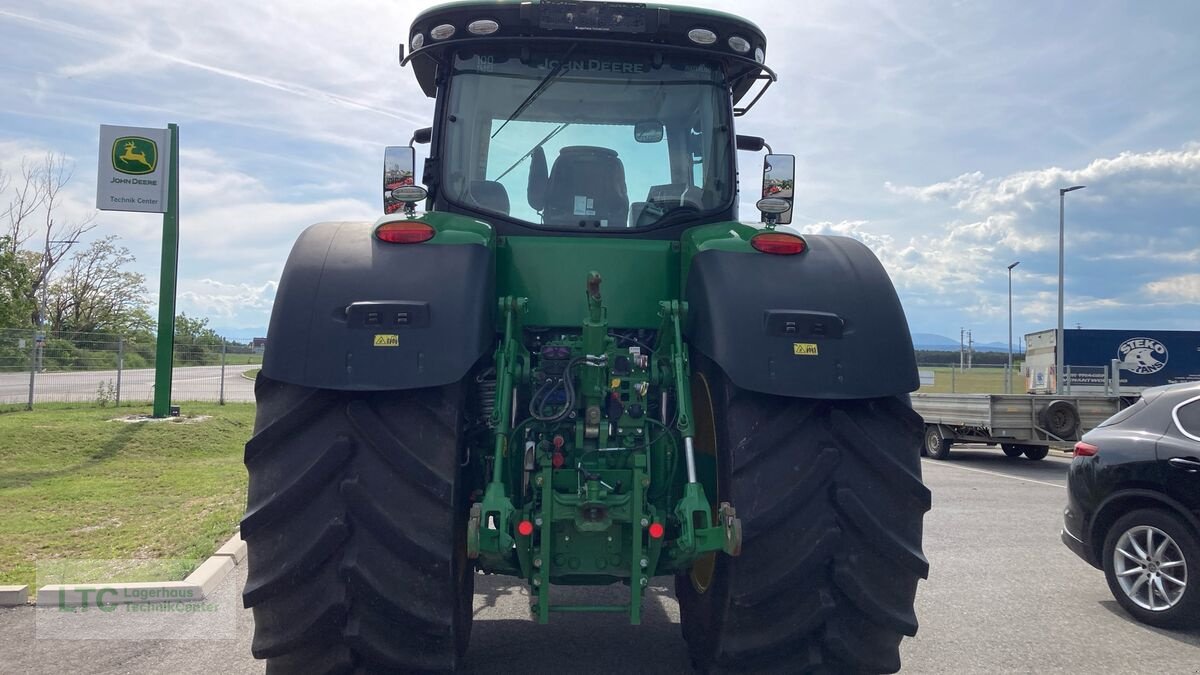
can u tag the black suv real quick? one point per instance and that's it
(1133, 505)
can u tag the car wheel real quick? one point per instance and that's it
(936, 446)
(1151, 559)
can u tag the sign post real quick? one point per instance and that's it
(139, 171)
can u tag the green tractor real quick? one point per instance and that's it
(576, 367)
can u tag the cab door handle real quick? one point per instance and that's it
(1186, 463)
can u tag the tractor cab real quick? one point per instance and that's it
(580, 117)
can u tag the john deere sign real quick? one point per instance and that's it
(139, 171)
(133, 169)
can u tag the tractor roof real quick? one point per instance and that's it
(737, 43)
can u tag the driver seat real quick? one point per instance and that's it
(586, 186)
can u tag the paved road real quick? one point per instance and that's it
(197, 383)
(1004, 596)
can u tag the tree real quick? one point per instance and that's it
(95, 295)
(195, 342)
(15, 280)
(33, 210)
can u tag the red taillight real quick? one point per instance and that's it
(656, 530)
(778, 243)
(524, 528)
(404, 232)
(1085, 449)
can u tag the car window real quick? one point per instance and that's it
(1187, 418)
(1125, 414)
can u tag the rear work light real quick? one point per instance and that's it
(1085, 449)
(404, 232)
(778, 243)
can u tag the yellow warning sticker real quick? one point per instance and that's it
(804, 349)
(387, 340)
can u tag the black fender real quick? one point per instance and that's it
(825, 323)
(355, 313)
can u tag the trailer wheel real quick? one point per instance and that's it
(831, 502)
(936, 446)
(356, 530)
(1012, 450)
(1036, 452)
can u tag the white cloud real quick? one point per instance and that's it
(1158, 171)
(1184, 288)
(228, 305)
(954, 187)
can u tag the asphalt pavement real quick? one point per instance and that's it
(195, 383)
(1003, 596)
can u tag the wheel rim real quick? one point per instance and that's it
(705, 443)
(933, 441)
(1150, 568)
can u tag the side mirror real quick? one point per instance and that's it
(779, 180)
(422, 135)
(648, 131)
(399, 189)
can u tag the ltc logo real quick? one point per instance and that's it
(134, 155)
(1142, 355)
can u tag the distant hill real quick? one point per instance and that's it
(941, 343)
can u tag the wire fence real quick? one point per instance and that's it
(110, 370)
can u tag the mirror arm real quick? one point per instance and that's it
(423, 136)
(752, 144)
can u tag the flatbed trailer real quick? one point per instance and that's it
(1021, 424)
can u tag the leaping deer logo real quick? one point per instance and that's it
(139, 157)
(134, 155)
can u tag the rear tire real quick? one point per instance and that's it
(356, 530)
(935, 446)
(831, 502)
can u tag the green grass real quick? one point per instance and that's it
(251, 374)
(972, 381)
(76, 485)
(242, 359)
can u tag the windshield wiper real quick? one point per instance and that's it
(537, 91)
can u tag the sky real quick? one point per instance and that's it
(936, 133)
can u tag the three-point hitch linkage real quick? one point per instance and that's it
(585, 477)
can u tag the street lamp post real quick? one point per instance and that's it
(1008, 372)
(1058, 338)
